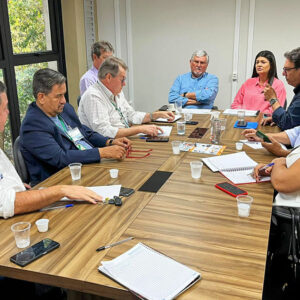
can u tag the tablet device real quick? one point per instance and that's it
(155, 182)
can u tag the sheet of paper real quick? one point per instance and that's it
(149, 273)
(233, 112)
(196, 111)
(253, 145)
(166, 131)
(177, 117)
(202, 148)
(106, 191)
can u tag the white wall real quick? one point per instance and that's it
(162, 34)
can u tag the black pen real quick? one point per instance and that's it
(114, 244)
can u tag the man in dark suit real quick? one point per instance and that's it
(52, 136)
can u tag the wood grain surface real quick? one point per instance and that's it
(188, 219)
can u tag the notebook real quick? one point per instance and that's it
(237, 167)
(163, 120)
(149, 274)
(248, 113)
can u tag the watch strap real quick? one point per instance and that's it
(273, 101)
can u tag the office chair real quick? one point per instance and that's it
(78, 100)
(285, 104)
(19, 161)
(215, 107)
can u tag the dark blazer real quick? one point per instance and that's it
(46, 149)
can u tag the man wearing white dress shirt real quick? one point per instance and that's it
(104, 109)
(14, 199)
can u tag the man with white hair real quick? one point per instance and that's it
(196, 89)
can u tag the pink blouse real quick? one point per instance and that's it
(250, 95)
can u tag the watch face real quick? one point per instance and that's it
(272, 101)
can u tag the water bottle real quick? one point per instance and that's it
(216, 131)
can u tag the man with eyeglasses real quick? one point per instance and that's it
(104, 109)
(286, 119)
(196, 89)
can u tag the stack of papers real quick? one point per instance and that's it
(237, 167)
(202, 148)
(248, 113)
(196, 111)
(149, 274)
(163, 120)
(166, 131)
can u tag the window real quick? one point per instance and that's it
(31, 38)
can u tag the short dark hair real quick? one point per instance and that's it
(111, 66)
(44, 80)
(294, 56)
(273, 69)
(2, 89)
(102, 46)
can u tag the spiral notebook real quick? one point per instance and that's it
(237, 167)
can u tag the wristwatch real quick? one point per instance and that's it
(110, 142)
(272, 101)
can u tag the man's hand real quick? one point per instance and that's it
(267, 121)
(269, 93)
(75, 192)
(123, 142)
(115, 151)
(151, 130)
(163, 114)
(275, 148)
(250, 135)
(191, 102)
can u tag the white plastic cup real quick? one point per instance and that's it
(244, 205)
(223, 124)
(196, 168)
(214, 115)
(21, 231)
(42, 225)
(171, 107)
(181, 127)
(188, 117)
(75, 169)
(238, 146)
(114, 173)
(175, 147)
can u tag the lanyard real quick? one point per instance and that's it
(123, 119)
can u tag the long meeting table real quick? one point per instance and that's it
(187, 219)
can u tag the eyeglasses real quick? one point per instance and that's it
(285, 70)
(130, 150)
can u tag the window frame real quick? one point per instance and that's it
(9, 60)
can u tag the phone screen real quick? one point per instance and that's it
(37, 250)
(125, 192)
(231, 189)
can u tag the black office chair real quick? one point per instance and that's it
(19, 161)
(215, 107)
(78, 100)
(285, 104)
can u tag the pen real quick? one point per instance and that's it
(266, 166)
(56, 207)
(114, 244)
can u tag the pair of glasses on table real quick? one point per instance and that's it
(130, 151)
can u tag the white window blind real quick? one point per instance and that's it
(89, 23)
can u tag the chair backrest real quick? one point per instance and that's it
(78, 100)
(285, 104)
(19, 161)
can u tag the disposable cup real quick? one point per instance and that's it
(42, 225)
(244, 205)
(175, 147)
(75, 169)
(239, 146)
(114, 173)
(181, 127)
(21, 231)
(196, 168)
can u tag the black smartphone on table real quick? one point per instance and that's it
(126, 192)
(34, 252)
(263, 136)
(230, 189)
(157, 139)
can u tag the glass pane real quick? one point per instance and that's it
(5, 138)
(29, 25)
(24, 75)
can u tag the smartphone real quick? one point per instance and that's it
(263, 136)
(241, 124)
(230, 189)
(126, 192)
(34, 252)
(158, 139)
(191, 122)
(164, 108)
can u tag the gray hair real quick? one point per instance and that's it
(294, 56)
(102, 46)
(111, 66)
(45, 79)
(2, 90)
(200, 53)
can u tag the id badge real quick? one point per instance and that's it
(75, 134)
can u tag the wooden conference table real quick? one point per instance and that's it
(187, 219)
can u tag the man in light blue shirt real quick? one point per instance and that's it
(289, 137)
(196, 89)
